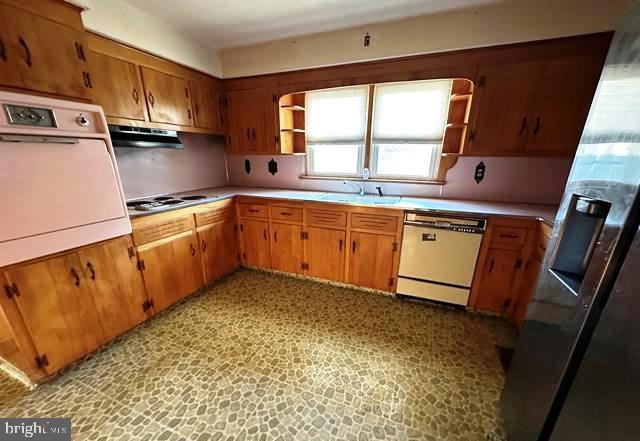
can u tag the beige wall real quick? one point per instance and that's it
(122, 22)
(505, 22)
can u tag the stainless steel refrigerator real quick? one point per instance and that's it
(575, 372)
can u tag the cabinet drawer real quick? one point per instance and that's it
(162, 229)
(374, 222)
(286, 213)
(327, 218)
(254, 210)
(540, 246)
(213, 216)
(508, 236)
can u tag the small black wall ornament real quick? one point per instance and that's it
(479, 174)
(273, 167)
(247, 166)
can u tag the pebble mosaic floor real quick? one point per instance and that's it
(268, 357)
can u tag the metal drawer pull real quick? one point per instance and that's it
(340, 246)
(536, 129)
(204, 245)
(3, 51)
(490, 266)
(249, 134)
(285, 213)
(353, 247)
(151, 99)
(264, 234)
(91, 268)
(524, 125)
(275, 236)
(135, 95)
(74, 274)
(193, 249)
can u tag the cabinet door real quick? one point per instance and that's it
(498, 276)
(52, 56)
(219, 250)
(117, 287)
(172, 269)
(56, 306)
(117, 87)
(241, 117)
(564, 92)
(167, 98)
(529, 279)
(286, 248)
(325, 251)
(255, 243)
(503, 101)
(265, 139)
(206, 106)
(8, 59)
(371, 260)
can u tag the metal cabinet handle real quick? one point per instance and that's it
(193, 249)
(78, 54)
(491, 266)
(254, 133)
(27, 52)
(285, 213)
(249, 134)
(275, 236)
(186, 92)
(340, 246)
(204, 245)
(135, 95)
(92, 270)
(523, 126)
(76, 276)
(536, 129)
(151, 99)
(264, 234)
(196, 108)
(84, 58)
(3, 51)
(353, 246)
(253, 210)
(189, 113)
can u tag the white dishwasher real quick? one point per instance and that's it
(439, 255)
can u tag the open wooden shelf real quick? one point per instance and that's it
(458, 117)
(460, 96)
(293, 107)
(293, 130)
(456, 125)
(292, 124)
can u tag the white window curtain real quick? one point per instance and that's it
(408, 127)
(336, 125)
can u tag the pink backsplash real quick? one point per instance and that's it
(531, 180)
(200, 164)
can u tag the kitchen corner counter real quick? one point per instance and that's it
(542, 212)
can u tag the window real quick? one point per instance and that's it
(406, 125)
(336, 125)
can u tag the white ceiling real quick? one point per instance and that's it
(229, 23)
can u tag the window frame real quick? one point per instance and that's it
(368, 154)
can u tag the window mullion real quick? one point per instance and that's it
(369, 132)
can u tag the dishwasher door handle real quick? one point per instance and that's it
(428, 237)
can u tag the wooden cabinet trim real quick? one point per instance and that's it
(162, 229)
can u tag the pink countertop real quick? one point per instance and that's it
(546, 213)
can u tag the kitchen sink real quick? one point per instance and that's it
(367, 199)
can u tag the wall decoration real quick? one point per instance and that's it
(247, 166)
(273, 167)
(479, 174)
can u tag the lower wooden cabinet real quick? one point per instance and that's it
(529, 279)
(286, 248)
(325, 253)
(499, 274)
(255, 243)
(371, 260)
(219, 249)
(171, 269)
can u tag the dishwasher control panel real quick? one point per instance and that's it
(459, 224)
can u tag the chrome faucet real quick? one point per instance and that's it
(358, 188)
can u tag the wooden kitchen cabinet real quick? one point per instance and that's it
(8, 59)
(371, 260)
(64, 325)
(51, 57)
(325, 253)
(205, 102)
(255, 243)
(117, 87)
(499, 274)
(252, 123)
(528, 284)
(532, 108)
(168, 99)
(118, 292)
(171, 269)
(286, 248)
(219, 249)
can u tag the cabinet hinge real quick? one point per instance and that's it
(141, 266)
(394, 246)
(304, 266)
(131, 252)
(482, 80)
(42, 361)
(518, 263)
(12, 290)
(390, 281)
(147, 305)
(304, 235)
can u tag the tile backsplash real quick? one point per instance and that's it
(533, 180)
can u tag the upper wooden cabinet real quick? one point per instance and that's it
(532, 108)
(252, 123)
(8, 59)
(117, 87)
(51, 57)
(168, 99)
(206, 104)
